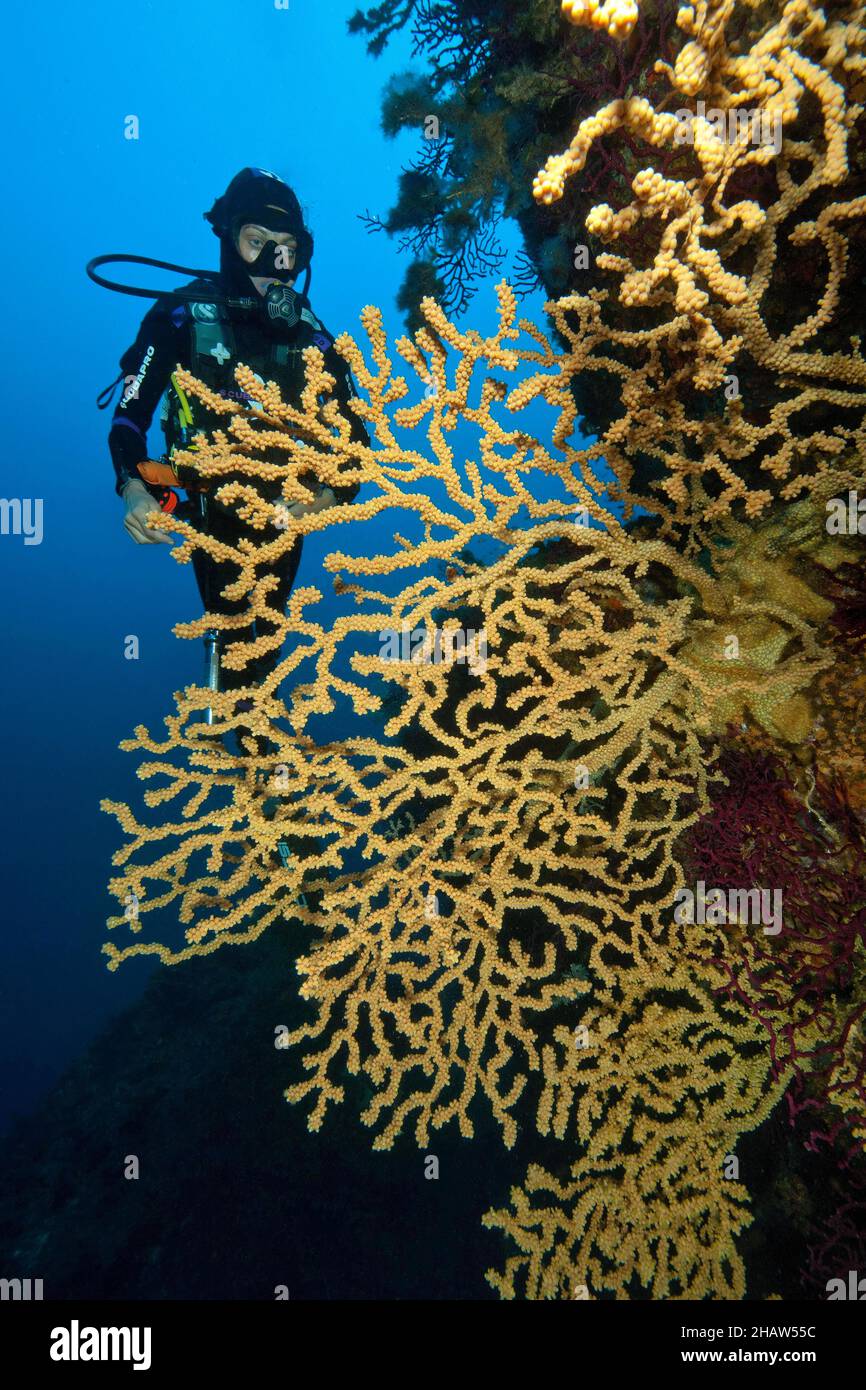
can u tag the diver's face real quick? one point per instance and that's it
(251, 239)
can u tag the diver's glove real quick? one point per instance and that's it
(323, 499)
(139, 504)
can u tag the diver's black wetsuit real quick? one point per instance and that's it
(171, 334)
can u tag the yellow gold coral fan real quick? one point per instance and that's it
(586, 711)
(684, 1080)
(712, 268)
(494, 861)
(465, 851)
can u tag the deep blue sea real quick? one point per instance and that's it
(176, 1068)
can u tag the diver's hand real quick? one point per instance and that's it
(325, 499)
(139, 505)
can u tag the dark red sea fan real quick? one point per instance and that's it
(803, 985)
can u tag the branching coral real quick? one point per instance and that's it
(576, 1239)
(534, 801)
(709, 285)
(662, 1101)
(489, 869)
(575, 735)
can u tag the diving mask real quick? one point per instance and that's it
(274, 263)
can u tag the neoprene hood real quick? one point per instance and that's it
(255, 195)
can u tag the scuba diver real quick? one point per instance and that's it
(249, 313)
